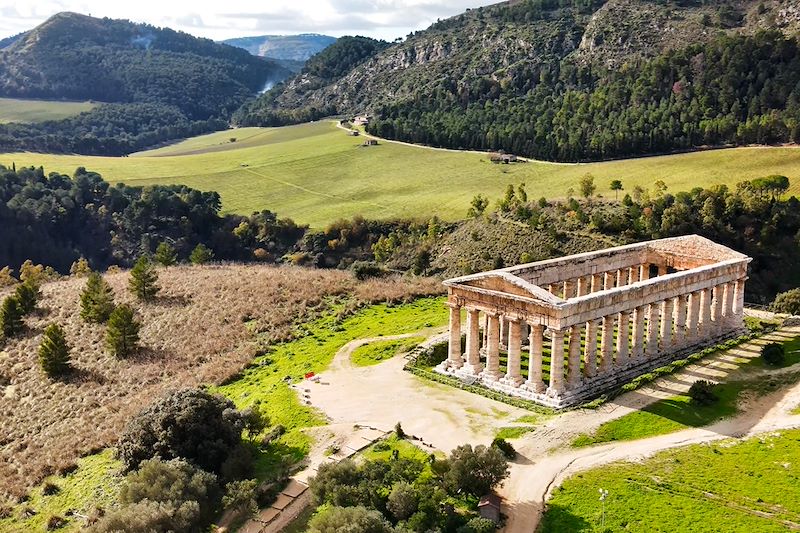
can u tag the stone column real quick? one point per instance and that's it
(569, 289)
(597, 282)
(622, 277)
(503, 332)
(704, 327)
(608, 280)
(473, 365)
(590, 350)
(729, 305)
(653, 316)
(622, 339)
(692, 318)
(454, 360)
(680, 321)
(607, 344)
(633, 274)
(556, 362)
(485, 331)
(536, 342)
(574, 360)
(583, 286)
(644, 271)
(514, 371)
(738, 302)
(492, 371)
(716, 308)
(666, 324)
(638, 333)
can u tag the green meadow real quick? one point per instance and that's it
(315, 173)
(27, 111)
(731, 486)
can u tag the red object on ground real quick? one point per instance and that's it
(310, 375)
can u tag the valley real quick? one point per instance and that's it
(315, 173)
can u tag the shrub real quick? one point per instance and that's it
(27, 295)
(48, 489)
(398, 431)
(505, 448)
(165, 254)
(254, 420)
(787, 302)
(10, 317)
(241, 495)
(55, 522)
(150, 516)
(478, 525)
(364, 270)
(475, 471)
(143, 280)
(7, 278)
(349, 519)
(54, 352)
(403, 500)
(193, 493)
(80, 268)
(773, 354)
(122, 333)
(702, 392)
(188, 424)
(201, 255)
(97, 299)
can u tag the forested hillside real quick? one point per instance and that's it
(576, 80)
(189, 85)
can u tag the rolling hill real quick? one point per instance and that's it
(158, 84)
(315, 173)
(574, 80)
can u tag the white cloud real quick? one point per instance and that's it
(385, 19)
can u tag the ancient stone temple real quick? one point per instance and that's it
(564, 330)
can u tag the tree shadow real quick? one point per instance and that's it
(559, 519)
(78, 376)
(147, 354)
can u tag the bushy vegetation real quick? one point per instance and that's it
(787, 302)
(97, 299)
(773, 354)
(122, 332)
(408, 493)
(189, 424)
(54, 356)
(143, 282)
(702, 392)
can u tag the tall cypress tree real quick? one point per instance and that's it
(122, 334)
(97, 299)
(10, 317)
(143, 280)
(54, 352)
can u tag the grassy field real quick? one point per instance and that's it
(315, 173)
(18, 110)
(266, 378)
(93, 483)
(377, 352)
(731, 486)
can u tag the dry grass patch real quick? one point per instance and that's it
(201, 329)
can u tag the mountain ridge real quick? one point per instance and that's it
(511, 53)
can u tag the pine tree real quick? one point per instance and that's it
(143, 280)
(166, 255)
(54, 352)
(97, 299)
(122, 334)
(27, 295)
(10, 317)
(201, 255)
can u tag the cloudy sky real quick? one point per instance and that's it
(217, 19)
